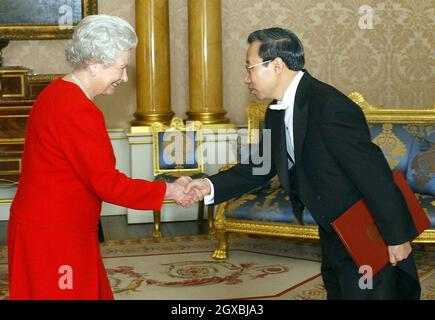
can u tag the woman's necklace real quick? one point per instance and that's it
(77, 81)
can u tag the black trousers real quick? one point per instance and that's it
(342, 279)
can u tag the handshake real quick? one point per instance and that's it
(185, 191)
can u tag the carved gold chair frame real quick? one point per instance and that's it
(177, 126)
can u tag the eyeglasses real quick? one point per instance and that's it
(249, 68)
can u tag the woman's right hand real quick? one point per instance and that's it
(175, 192)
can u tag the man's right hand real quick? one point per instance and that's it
(175, 192)
(201, 185)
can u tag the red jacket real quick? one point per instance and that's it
(68, 170)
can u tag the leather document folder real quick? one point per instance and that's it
(360, 235)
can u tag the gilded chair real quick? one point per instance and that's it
(265, 210)
(177, 151)
(407, 139)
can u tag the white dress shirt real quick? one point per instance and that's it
(287, 103)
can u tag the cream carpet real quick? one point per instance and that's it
(181, 268)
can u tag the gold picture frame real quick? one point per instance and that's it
(48, 20)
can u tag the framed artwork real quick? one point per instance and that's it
(42, 19)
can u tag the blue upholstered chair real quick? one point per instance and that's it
(406, 137)
(177, 151)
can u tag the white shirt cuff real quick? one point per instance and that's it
(210, 198)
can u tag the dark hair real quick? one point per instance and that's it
(278, 42)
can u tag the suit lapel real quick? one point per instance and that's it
(300, 116)
(279, 147)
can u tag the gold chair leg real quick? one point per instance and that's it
(221, 253)
(157, 233)
(210, 210)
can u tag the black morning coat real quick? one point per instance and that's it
(336, 165)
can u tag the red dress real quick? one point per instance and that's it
(68, 170)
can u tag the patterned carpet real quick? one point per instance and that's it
(257, 268)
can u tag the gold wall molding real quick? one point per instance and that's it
(118, 138)
(44, 77)
(217, 126)
(139, 142)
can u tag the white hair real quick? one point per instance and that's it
(100, 39)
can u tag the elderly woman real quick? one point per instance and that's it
(69, 169)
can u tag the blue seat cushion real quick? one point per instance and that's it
(268, 203)
(421, 167)
(395, 141)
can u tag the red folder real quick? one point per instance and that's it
(360, 235)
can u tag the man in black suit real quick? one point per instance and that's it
(325, 160)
